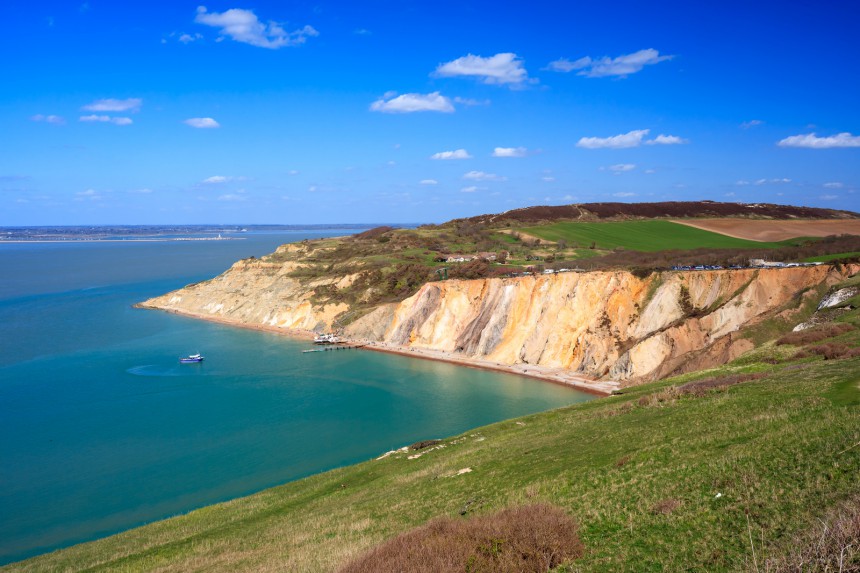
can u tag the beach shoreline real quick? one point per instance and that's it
(553, 375)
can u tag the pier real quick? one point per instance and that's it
(334, 347)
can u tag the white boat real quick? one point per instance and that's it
(192, 359)
(326, 339)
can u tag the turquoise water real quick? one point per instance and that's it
(101, 429)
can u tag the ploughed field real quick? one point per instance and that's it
(775, 230)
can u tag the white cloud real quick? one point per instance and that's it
(362, 32)
(456, 154)
(233, 196)
(622, 167)
(89, 194)
(188, 38)
(106, 119)
(202, 122)
(812, 141)
(481, 176)
(629, 139)
(216, 179)
(602, 67)
(293, 172)
(429, 182)
(666, 140)
(470, 189)
(470, 101)
(131, 104)
(751, 123)
(244, 26)
(742, 182)
(52, 119)
(503, 68)
(142, 191)
(650, 171)
(408, 103)
(829, 197)
(624, 194)
(834, 185)
(510, 152)
(547, 178)
(772, 181)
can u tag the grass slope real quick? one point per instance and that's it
(646, 236)
(657, 480)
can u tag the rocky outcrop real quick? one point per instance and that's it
(609, 325)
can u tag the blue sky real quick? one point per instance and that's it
(322, 112)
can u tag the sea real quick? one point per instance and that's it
(102, 430)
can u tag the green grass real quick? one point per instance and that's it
(833, 257)
(779, 451)
(646, 236)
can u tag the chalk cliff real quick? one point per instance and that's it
(610, 325)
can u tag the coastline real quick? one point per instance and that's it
(543, 373)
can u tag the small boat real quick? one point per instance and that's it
(192, 359)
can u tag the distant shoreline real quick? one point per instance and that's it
(141, 240)
(553, 375)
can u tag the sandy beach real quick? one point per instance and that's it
(547, 374)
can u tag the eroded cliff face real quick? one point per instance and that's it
(600, 324)
(609, 325)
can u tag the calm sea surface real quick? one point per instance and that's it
(102, 430)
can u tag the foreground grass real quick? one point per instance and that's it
(685, 483)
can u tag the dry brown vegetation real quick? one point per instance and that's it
(831, 351)
(696, 388)
(815, 334)
(532, 538)
(833, 545)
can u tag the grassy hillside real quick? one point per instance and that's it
(647, 236)
(710, 471)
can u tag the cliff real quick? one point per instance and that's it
(609, 325)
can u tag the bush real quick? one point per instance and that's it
(816, 334)
(531, 538)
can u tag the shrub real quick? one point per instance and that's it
(832, 545)
(530, 538)
(702, 387)
(816, 334)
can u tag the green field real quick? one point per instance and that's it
(657, 480)
(646, 236)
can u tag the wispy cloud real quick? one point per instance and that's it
(456, 154)
(630, 139)
(812, 141)
(471, 101)
(503, 68)
(621, 167)
(216, 179)
(666, 140)
(52, 119)
(106, 119)
(834, 185)
(131, 105)
(188, 38)
(202, 122)
(624, 194)
(239, 196)
(751, 123)
(88, 195)
(470, 189)
(429, 182)
(622, 66)
(482, 176)
(510, 152)
(244, 26)
(409, 103)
